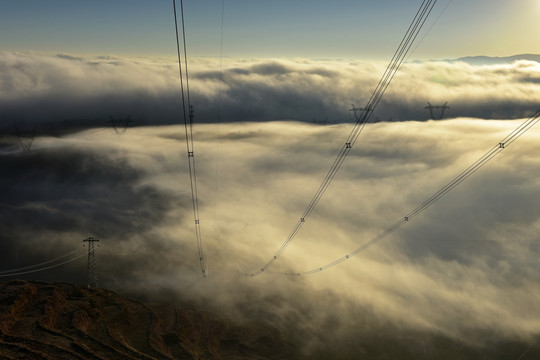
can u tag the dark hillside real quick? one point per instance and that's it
(63, 321)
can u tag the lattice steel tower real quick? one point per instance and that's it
(120, 126)
(91, 276)
(26, 138)
(439, 107)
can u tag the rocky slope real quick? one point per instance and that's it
(64, 321)
(61, 321)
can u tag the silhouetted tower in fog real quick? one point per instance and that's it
(91, 276)
(358, 111)
(120, 126)
(442, 108)
(26, 138)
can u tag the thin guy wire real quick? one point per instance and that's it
(429, 29)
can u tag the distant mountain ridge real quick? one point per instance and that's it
(493, 60)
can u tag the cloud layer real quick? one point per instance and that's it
(462, 275)
(69, 91)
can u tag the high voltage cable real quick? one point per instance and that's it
(484, 159)
(39, 264)
(392, 68)
(136, 251)
(292, 196)
(188, 126)
(44, 268)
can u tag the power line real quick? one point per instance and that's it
(495, 150)
(42, 269)
(40, 264)
(361, 120)
(293, 196)
(188, 126)
(133, 252)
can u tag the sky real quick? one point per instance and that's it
(460, 281)
(313, 29)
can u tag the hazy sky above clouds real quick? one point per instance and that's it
(301, 28)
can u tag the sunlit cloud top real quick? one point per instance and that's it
(64, 88)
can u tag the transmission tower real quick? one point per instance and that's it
(441, 107)
(91, 276)
(358, 111)
(120, 126)
(26, 138)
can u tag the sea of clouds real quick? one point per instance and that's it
(462, 279)
(465, 269)
(40, 88)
